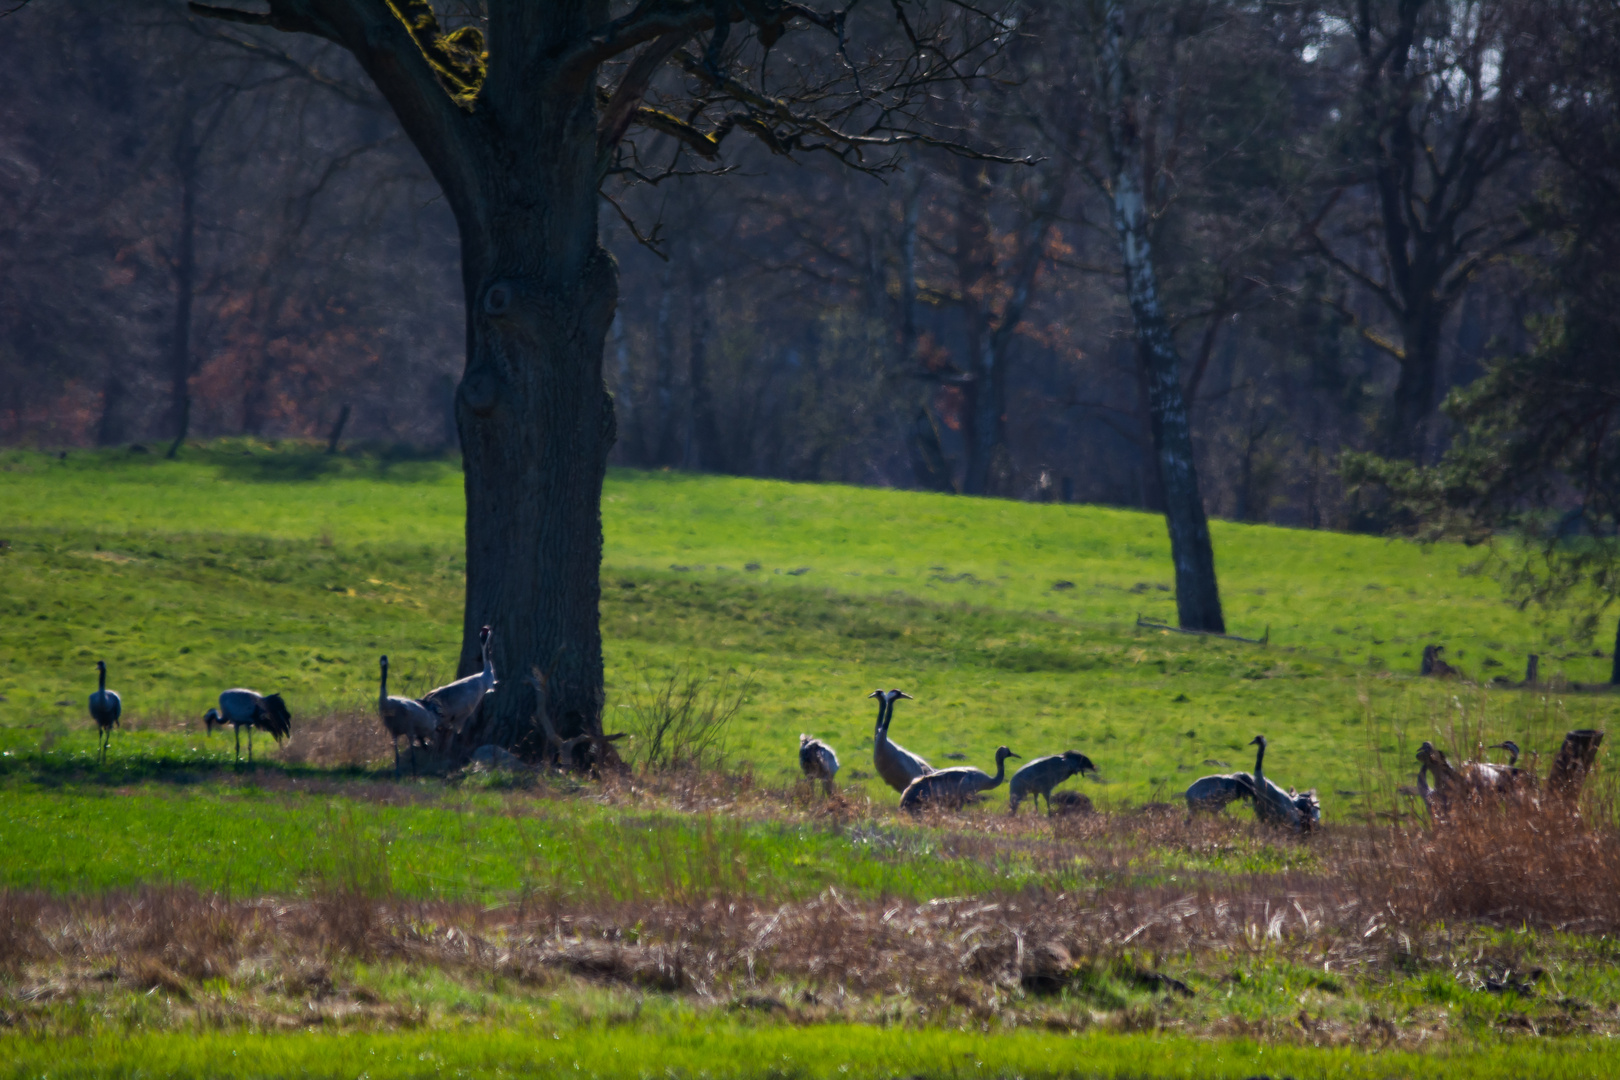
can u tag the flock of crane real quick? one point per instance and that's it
(434, 718)
(920, 784)
(442, 713)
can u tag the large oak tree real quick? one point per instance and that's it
(522, 111)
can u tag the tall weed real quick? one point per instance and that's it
(680, 722)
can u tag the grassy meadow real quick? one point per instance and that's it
(1010, 622)
(167, 912)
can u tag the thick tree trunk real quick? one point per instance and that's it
(1198, 602)
(1614, 667)
(536, 426)
(1405, 421)
(110, 427)
(928, 464)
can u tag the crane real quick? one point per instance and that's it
(818, 761)
(1273, 805)
(403, 716)
(1039, 777)
(250, 709)
(954, 786)
(894, 763)
(105, 708)
(454, 703)
(1213, 793)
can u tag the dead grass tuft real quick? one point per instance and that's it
(352, 739)
(1503, 864)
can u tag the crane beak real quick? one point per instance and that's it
(905, 695)
(875, 693)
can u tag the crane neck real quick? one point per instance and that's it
(1001, 770)
(382, 690)
(881, 732)
(1259, 756)
(101, 681)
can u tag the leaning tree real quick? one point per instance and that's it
(522, 111)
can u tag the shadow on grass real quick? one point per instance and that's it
(285, 462)
(51, 771)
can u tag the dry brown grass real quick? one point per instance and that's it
(943, 951)
(1506, 865)
(1374, 902)
(353, 739)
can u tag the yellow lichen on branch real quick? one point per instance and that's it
(457, 58)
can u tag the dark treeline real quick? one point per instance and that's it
(1296, 226)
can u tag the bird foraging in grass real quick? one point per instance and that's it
(818, 761)
(1037, 779)
(953, 787)
(250, 709)
(1212, 794)
(105, 708)
(1274, 806)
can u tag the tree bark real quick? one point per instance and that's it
(186, 157)
(110, 427)
(536, 426)
(1404, 430)
(1198, 602)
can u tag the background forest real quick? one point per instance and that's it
(207, 229)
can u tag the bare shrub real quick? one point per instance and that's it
(681, 721)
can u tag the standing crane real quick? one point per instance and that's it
(105, 708)
(1273, 805)
(454, 703)
(894, 763)
(1039, 777)
(818, 761)
(250, 709)
(403, 716)
(953, 787)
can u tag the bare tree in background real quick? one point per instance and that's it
(1430, 126)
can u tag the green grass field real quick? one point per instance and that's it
(724, 1052)
(284, 569)
(292, 571)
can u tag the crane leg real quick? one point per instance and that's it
(396, 757)
(250, 746)
(238, 732)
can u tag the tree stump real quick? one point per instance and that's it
(1575, 759)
